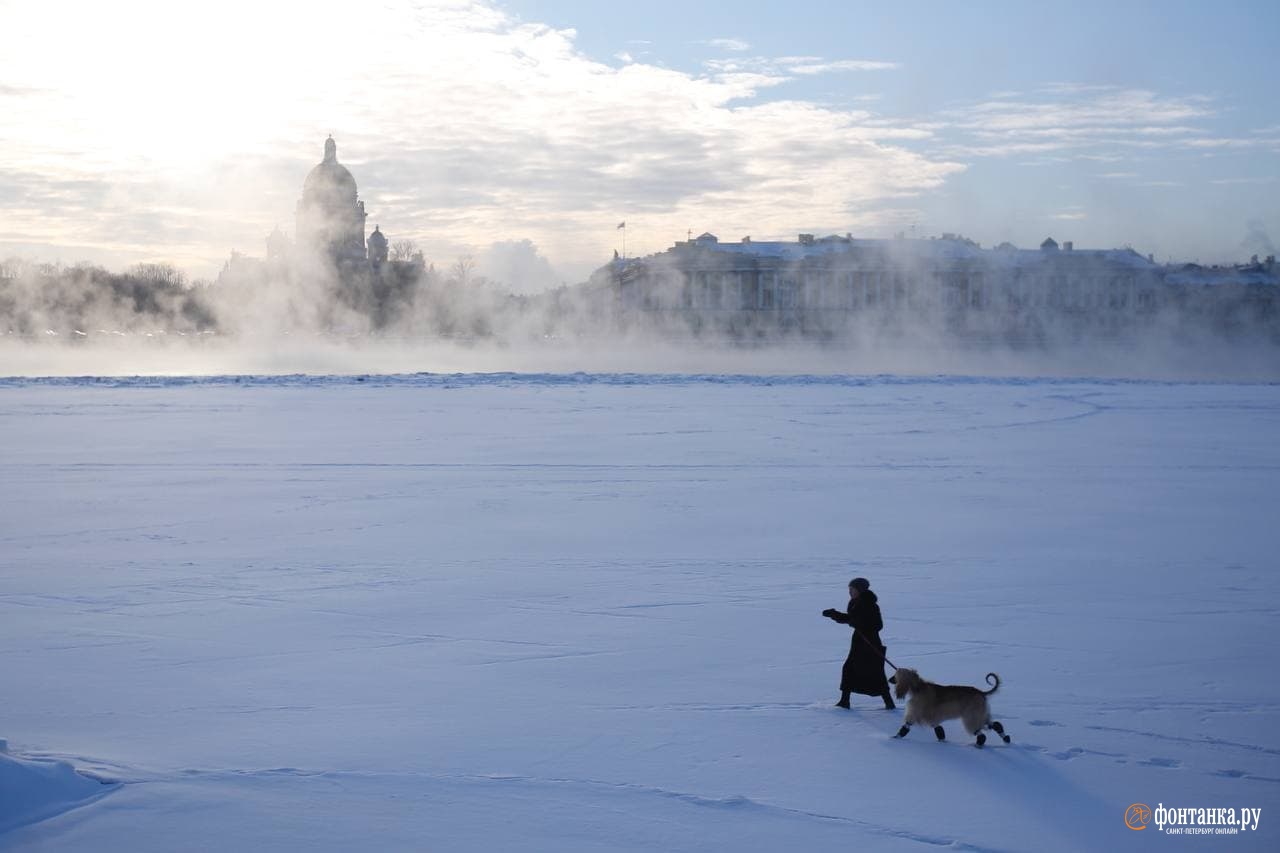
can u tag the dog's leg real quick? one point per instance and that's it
(981, 740)
(940, 732)
(999, 729)
(909, 718)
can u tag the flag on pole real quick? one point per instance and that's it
(622, 224)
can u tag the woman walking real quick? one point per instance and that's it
(864, 668)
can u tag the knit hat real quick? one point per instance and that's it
(860, 584)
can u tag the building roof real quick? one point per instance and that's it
(1193, 275)
(329, 181)
(949, 248)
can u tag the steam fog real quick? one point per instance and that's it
(293, 316)
(337, 298)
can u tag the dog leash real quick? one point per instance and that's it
(876, 649)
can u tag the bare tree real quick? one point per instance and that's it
(463, 270)
(165, 275)
(405, 250)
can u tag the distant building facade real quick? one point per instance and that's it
(825, 286)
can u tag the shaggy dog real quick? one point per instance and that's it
(931, 704)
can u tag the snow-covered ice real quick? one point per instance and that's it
(33, 790)
(579, 613)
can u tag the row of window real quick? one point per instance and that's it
(770, 290)
(855, 290)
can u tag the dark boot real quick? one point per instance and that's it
(844, 699)
(888, 701)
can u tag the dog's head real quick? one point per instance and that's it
(904, 681)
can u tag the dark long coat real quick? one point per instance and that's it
(864, 668)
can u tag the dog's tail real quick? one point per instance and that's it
(991, 675)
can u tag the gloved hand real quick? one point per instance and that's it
(830, 612)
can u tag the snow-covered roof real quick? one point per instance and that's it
(832, 246)
(1196, 276)
(1072, 257)
(935, 249)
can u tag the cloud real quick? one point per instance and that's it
(841, 65)
(1234, 142)
(18, 91)
(465, 126)
(730, 44)
(518, 266)
(782, 68)
(1089, 120)
(1067, 88)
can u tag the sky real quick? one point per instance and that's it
(522, 133)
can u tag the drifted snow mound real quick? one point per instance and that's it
(33, 790)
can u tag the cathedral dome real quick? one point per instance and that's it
(330, 215)
(329, 183)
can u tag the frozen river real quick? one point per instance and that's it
(576, 612)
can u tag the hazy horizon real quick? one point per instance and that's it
(1153, 357)
(522, 133)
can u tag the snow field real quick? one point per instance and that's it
(582, 613)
